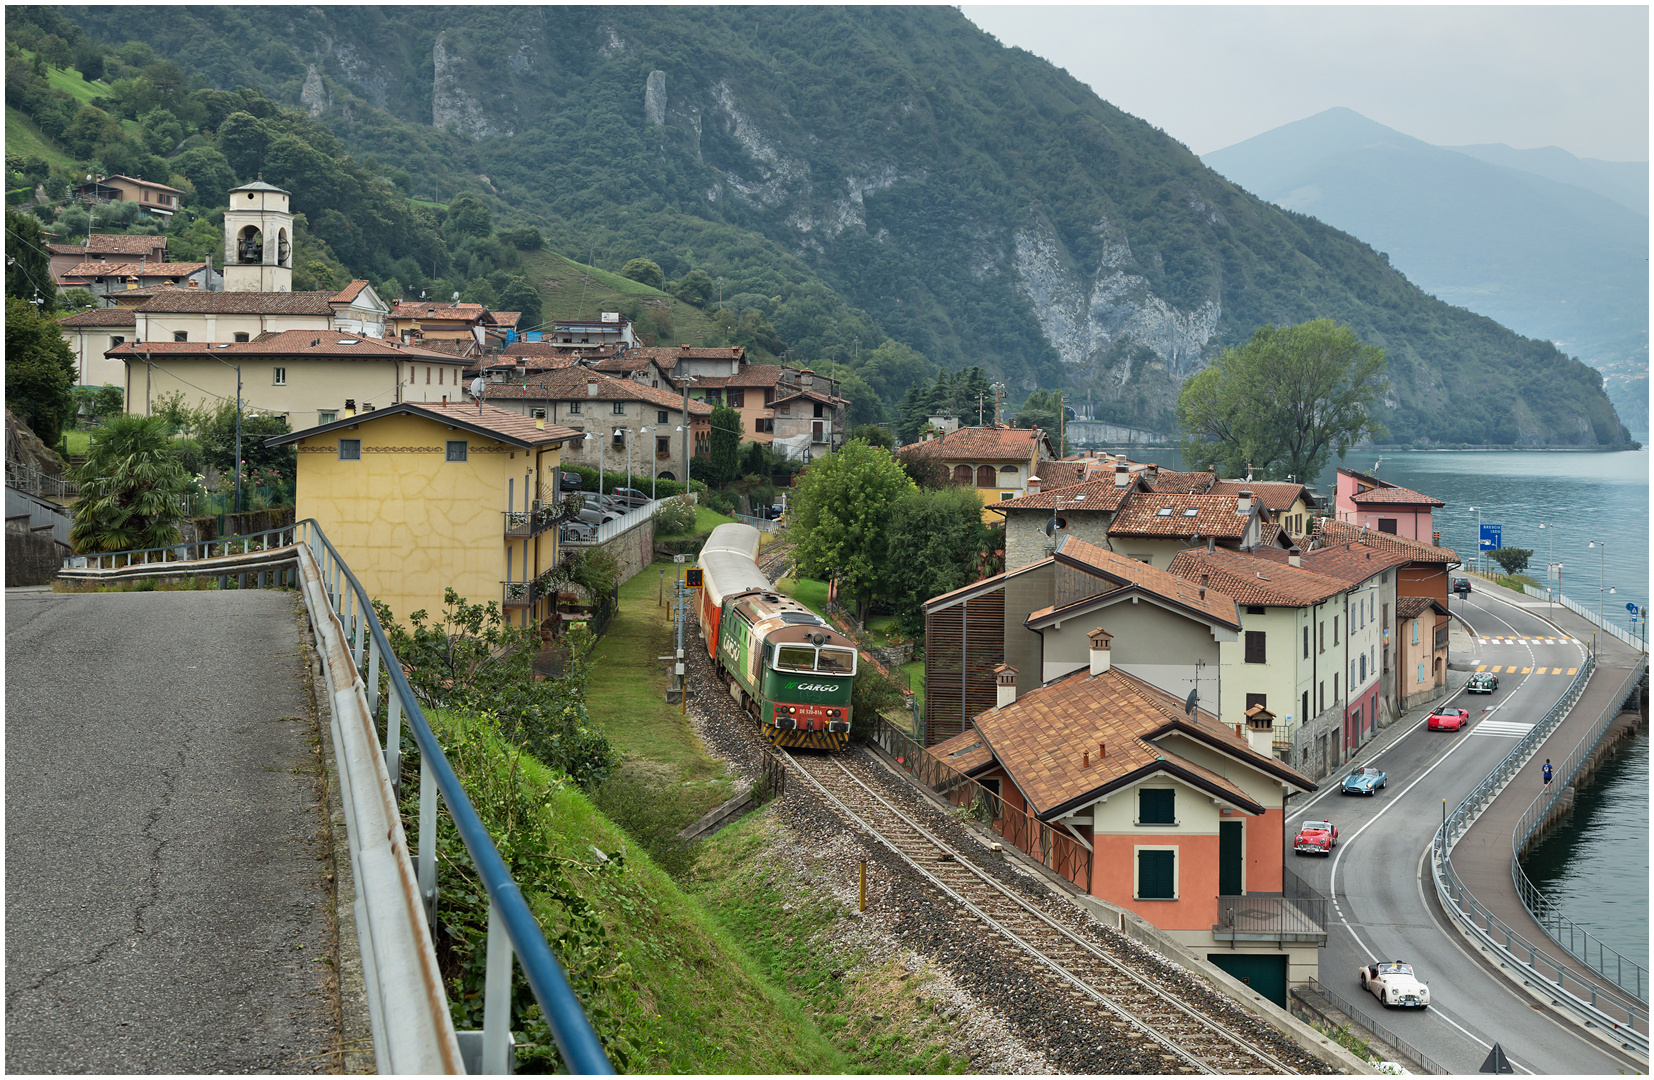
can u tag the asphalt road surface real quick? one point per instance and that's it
(1384, 904)
(166, 886)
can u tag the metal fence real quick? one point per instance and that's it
(27, 478)
(1636, 641)
(607, 531)
(1622, 971)
(1059, 851)
(763, 525)
(267, 557)
(1378, 1031)
(1599, 1007)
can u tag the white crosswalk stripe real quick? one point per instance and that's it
(1528, 641)
(1504, 729)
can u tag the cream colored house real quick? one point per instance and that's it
(419, 498)
(309, 376)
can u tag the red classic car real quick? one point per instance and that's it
(1447, 720)
(1316, 838)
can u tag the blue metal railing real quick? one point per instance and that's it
(508, 910)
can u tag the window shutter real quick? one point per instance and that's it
(1156, 806)
(1254, 647)
(1155, 874)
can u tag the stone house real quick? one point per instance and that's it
(107, 247)
(998, 461)
(1083, 510)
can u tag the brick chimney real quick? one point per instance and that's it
(1005, 678)
(1122, 475)
(1033, 485)
(1243, 501)
(1101, 656)
(1260, 730)
(1293, 556)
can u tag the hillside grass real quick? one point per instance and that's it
(573, 290)
(24, 139)
(915, 669)
(807, 591)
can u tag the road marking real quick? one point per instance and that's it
(1510, 729)
(1482, 667)
(1556, 671)
(1573, 671)
(1525, 671)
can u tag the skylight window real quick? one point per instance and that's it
(1164, 511)
(1191, 512)
(348, 341)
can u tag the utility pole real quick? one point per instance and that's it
(1062, 420)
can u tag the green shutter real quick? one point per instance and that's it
(1156, 806)
(1155, 875)
(1231, 858)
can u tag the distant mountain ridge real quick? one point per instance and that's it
(894, 167)
(1546, 243)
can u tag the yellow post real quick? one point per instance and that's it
(862, 904)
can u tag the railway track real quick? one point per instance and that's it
(1165, 1032)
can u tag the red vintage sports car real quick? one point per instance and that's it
(1447, 720)
(1316, 838)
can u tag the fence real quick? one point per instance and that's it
(1622, 971)
(266, 555)
(607, 531)
(763, 525)
(1377, 1030)
(1596, 1006)
(397, 890)
(1636, 641)
(27, 478)
(1058, 851)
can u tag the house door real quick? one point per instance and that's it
(1231, 857)
(1266, 974)
(818, 431)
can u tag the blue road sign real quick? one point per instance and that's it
(1492, 537)
(1632, 608)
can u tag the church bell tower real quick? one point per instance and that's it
(258, 239)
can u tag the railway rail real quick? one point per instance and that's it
(1165, 1032)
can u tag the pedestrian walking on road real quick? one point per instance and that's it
(1547, 772)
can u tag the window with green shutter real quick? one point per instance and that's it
(1156, 806)
(1156, 875)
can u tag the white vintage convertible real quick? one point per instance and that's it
(1395, 985)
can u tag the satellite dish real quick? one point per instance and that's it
(456, 295)
(1050, 526)
(1189, 702)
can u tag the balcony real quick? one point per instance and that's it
(1298, 914)
(523, 524)
(519, 594)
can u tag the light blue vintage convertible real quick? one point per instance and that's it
(1364, 782)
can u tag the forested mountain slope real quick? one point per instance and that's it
(857, 173)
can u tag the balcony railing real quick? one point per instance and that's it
(522, 524)
(1271, 917)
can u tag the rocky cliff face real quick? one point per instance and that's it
(451, 103)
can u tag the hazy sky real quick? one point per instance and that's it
(1574, 77)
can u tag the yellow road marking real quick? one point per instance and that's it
(1482, 668)
(1526, 670)
(1556, 671)
(1497, 670)
(1573, 671)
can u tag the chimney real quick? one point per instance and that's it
(1122, 476)
(1033, 485)
(1152, 473)
(807, 379)
(1243, 501)
(193, 284)
(539, 423)
(1005, 677)
(350, 406)
(1260, 730)
(591, 388)
(1085, 759)
(1100, 655)
(1293, 556)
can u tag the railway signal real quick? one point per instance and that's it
(692, 577)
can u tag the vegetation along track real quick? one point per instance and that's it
(1152, 1021)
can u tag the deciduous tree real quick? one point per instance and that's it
(40, 371)
(840, 516)
(1514, 560)
(1284, 401)
(644, 272)
(936, 538)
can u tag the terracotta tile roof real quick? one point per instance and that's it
(534, 348)
(1392, 494)
(1269, 535)
(533, 363)
(1056, 474)
(101, 317)
(490, 420)
(113, 244)
(323, 343)
(1351, 562)
(625, 363)
(1041, 739)
(418, 309)
(572, 384)
(507, 319)
(1332, 531)
(1092, 495)
(983, 444)
(108, 268)
(173, 300)
(1213, 515)
(135, 180)
(668, 355)
(1252, 579)
(966, 751)
(1184, 483)
(1411, 607)
(811, 395)
(350, 292)
(1275, 495)
(1129, 573)
(750, 375)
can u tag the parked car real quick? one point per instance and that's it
(1447, 720)
(1316, 838)
(578, 532)
(1395, 985)
(604, 507)
(570, 481)
(1461, 585)
(1364, 782)
(632, 497)
(1483, 682)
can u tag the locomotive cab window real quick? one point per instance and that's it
(835, 659)
(795, 657)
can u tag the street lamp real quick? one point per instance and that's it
(237, 367)
(1479, 562)
(590, 435)
(1550, 563)
(1602, 552)
(629, 439)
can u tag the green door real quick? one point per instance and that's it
(1264, 973)
(1230, 856)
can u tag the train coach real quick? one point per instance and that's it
(788, 669)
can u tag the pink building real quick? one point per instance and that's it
(1384, 507)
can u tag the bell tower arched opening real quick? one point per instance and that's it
(258, 239)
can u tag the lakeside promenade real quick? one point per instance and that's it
(1482, 856)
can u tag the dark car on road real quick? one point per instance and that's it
(1461, 585)
(570, 481)
(1483, 682)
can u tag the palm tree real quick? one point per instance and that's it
(131, 488)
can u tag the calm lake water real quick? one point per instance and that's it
(1597, 862)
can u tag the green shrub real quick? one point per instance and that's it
(664, 489)
(646, 805)
(674, 517)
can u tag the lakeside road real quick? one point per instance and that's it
(167, 901)
(1384, 902)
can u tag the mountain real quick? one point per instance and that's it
(852, 174)
(1538, 240)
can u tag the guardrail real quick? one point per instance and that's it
(626, 522)
(1377, 1030)
(763, 525)
(1622, 971)
(223, 556)
(32, 480)
(1596, 1006)
(412, 1028)
(1636, 642)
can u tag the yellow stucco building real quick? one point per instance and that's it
(420, 497)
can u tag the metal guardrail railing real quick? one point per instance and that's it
(1635, 641)
(1378, 1031)
(268, 556)
(1596, 1006)
(32, 480)
(512, 929)
(626, 522)
(763, 525)
(1622, 971)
